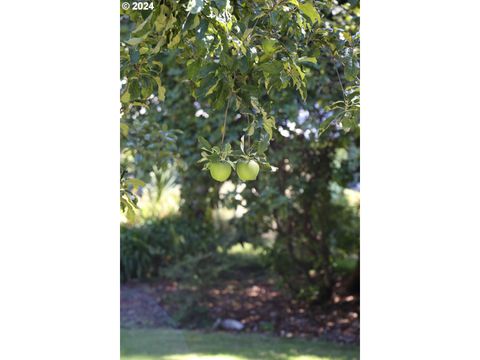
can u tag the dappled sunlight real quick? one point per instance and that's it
(157, 199)
(225, 214)
(309, 357)
(202, 357)
(155, 204)
(194, 356)
(185, 357)
(169, 344)
(245, 249)
(352, 196)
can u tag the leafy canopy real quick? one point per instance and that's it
(239, 57)
(237, 53)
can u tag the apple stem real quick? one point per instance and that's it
(225, 120)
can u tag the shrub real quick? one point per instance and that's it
(148, 248)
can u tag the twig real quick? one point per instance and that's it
(341, 85)
(225, 119)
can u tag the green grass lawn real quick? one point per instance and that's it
(167, 344)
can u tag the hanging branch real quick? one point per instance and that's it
(225, 120)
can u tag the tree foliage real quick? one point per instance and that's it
(240, 54)
(273, 80)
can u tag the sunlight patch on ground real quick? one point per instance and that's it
(213, 357)
(170, 344)
(203, 357)
(308, 357)
(185, 357)
(246, 248)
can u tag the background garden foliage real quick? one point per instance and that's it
(289, 72)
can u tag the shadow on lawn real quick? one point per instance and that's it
(168, 344)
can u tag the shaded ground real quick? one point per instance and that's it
(139, 307)
(254, 302)
(169, 344)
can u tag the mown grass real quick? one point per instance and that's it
(167, 344)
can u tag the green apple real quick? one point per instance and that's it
(247, 170)
(220, 170)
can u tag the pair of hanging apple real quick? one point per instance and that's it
(247, 170)
(221, 160)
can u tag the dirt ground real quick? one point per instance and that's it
(257, 304)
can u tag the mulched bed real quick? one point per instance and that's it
(256, 303)
(139, 307)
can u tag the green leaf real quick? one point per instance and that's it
(191, 22)
(139, 103)
(324, 125)
(130, 214)
(134, 41)
(212, 89)
(161, 20)
(160, 89)
(242, 144)
(251, 129)
(262, 145)
(136, 183)
(350, 70)
(125, 96)
(147, 86)
(269, 46)
(347, 37)
(134, 56)
(208, 70)
(304, 59)
(268, 125)
(134, 89)
(348, 121)
(142, 28)
(207, 86)
(174, 41)
(309, 9)
(247, 34)
(204, 143)
(161, 41)
(161, 93)
(231, 164)
(124, 129)
(256, 105)
(195, 6)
